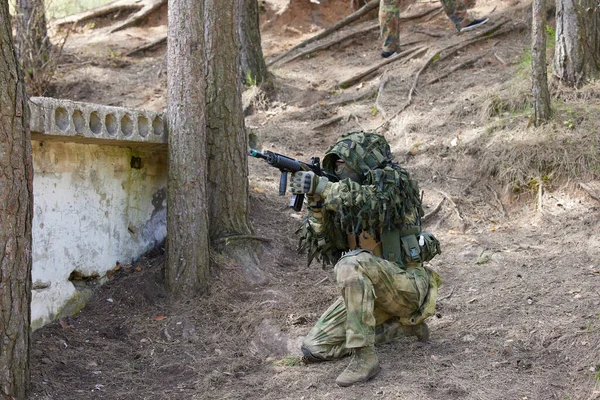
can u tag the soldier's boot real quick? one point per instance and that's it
(392, 329)
(363, 366)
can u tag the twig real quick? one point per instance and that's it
(378, 106)
(323, 280)
(147, 46)
(410, 53)
(437, 208)
(340, 24)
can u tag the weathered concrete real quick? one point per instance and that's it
(100, 176)
(65, 120)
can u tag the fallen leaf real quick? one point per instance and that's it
(160, 318)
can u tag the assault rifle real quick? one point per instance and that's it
(287, 164)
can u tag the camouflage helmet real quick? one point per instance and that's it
(363, 151)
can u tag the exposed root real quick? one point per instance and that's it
(99, 12)
(147, 46)
(437, 208)
(148, 7)
(346, 21)
(460, 218)
(331, 43)
(403, 57)
(329, 122)
(465, 64)
(437, 56)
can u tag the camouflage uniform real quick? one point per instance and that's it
(389, 20)
(379, 296)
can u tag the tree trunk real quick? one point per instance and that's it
(16, 211)
(227, 140)
(33, 43)
(187, 264)
(539, 70)
(577, 53)
(254, 68)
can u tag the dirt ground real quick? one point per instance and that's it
(519, 313)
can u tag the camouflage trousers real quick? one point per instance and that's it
(389, 20)
(377, 296)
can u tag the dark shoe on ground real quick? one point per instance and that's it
(363, 366)
(386, 54)
(475, 24)
(308, 357)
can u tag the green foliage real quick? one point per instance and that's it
(250, 81)
(374, 110)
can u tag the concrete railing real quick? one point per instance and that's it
(86, 122)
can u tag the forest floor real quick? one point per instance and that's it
(519, 312)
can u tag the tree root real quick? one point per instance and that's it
(437, 208)
(99, 12)
(346, 21)
(148, 7)
(459, 66)
(147, 46)
(460, 218)
(437, 56)
(342, 23)
(403, 56)
(328, 122)
(327, 45)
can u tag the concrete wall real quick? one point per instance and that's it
(99, 196)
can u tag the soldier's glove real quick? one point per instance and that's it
(306, 182)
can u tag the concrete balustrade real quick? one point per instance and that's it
(86, 122)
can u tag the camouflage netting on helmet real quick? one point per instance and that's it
(386, 199)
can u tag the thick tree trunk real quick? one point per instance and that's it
(16, 211)
(577, 53)
(227, 140)
(187, 264)
(539, 70)
(254, 68)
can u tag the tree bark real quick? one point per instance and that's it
(254, 68)
(539, 70)
(16, 211)
(577, 53)
(33, 43)
(187, 263)
(227, 139)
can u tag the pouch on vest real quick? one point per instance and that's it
(430, 246)
(411, 248)
(391, 245)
